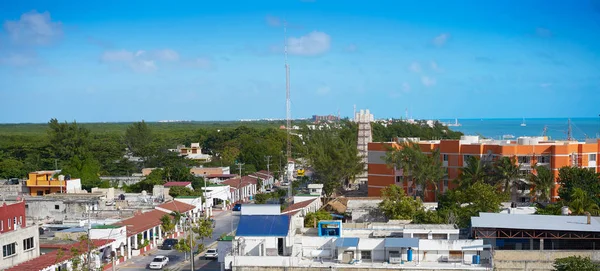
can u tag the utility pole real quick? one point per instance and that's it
(268, 165)
(191, 245)
(89, 249)
(239, 165)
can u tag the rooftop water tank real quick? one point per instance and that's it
(564, 210)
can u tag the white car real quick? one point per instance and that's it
(211, 254)
(159, 262)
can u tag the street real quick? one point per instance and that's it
(225, 222)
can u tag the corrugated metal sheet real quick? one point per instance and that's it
(535, 222)
(347, 242)
(263, 225)
(401, 242)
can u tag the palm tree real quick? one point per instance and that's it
(475, 171)
(506, 174)
(167, 225)
(543, 182)
(581, 203)
(416, 166)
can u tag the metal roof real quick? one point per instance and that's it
(263, 225)
(347, 242)
(401, 242)
(535, 222)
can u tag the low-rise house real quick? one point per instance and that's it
(267, 179)
(194, 152)
(43, 182)
(242, 189)
(19, 243)
(304, 207)
(263, 243)
(206, 171)
(69, 257)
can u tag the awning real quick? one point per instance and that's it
(347, 242)
(337, 216)
(401, 242)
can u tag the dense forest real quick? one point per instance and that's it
(90, 150)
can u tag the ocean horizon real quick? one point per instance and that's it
(554, 128)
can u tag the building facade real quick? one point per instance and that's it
(19, 246)
(528, 151)
(12, 216)
(43, 183)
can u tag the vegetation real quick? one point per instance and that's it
(311, 219)
(423, 169)
(575, 263)
(543, 182)
(389, 131)
(167, 224)
(333, 155)
(579, 190)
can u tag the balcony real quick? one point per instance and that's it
(44, 183)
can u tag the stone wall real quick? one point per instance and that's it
(535, 260)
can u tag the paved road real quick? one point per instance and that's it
(225, 221)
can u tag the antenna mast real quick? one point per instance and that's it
(288, 114)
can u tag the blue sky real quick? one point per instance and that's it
(95, 61)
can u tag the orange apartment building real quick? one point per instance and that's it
(529, 151)
(43, 182)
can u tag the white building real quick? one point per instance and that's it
(19, 245)
(261, 242)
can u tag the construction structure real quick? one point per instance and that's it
(288, 118)
(527, 151)
(365, 136)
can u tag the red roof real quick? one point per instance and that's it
(236, 182)
(177, 206)
(220, 175)
(141, 222)
(52, 258)
(265, 173)
(299, 205)
(169, 184)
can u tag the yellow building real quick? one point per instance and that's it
(43, 182)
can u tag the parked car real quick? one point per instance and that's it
(159, 262)
(211, 254)
(237, 207)
(169, 244)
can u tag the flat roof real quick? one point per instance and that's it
(536, 222)
(347, 242)
(401, 242)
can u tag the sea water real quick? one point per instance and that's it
(556, 128)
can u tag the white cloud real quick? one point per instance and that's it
(428, 81)
(166, 55)
(140, 61)
(405, 87)
(415, 67)
(34, 28)
(18, 60)
(314, 43)
(323, 90)
(441, 39)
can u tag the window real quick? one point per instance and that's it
(524, 159)
(28, 243)
(365, 255)
(544, 159)
(446, 183)
(26, 206)
(9, 250)
(40, 193)
(398, 179)
(445, 157)
(8, 223)
(592, 157)
(466, 158)
(56, 207)
(20, 220)
(1, 225)
(410, 190)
